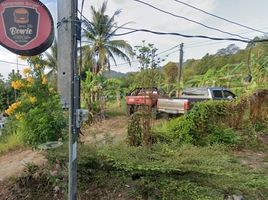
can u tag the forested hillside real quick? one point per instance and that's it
(229, 67)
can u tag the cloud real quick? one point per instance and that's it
(143, 16)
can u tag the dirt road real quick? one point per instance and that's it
(13, 163)
(112, 129)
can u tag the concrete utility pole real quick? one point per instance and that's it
(180, 69)
(68, 81)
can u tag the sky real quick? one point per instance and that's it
(247, 12)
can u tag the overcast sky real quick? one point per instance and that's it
(247, 12)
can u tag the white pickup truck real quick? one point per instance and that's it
(184, 103)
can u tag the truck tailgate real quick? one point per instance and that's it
(139, 100)
(173, 106)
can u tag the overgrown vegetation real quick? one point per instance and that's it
(189, 157)
(36, 116)
(162, 171)
(213, 122)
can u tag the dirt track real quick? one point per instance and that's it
(114, 128)
(13, 163)
(111, 129)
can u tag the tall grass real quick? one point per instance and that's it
(114, 110)
(10, 142)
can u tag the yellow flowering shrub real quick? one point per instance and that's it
(30, 80)
(44, 80)
(13, 107)
(17, 84)
(26, 71)
(32, 99)
(37, 107)
(18, 116)
(37, 66)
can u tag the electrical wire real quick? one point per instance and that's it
(132, 30)
(3, 61)
(134, 61)
(174, 47)
(197, 44)
(193, 21)
(218, 17)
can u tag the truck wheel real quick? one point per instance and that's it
(129, 110)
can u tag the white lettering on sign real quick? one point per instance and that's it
(16, 31)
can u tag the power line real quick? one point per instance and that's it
(132, 30)
(176, 46)
(3, 61)
(222, 18)
(193, 21)
(208, 42)
(134, 61)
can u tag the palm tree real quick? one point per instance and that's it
(99, 34)
(51, 63)
(52, 57)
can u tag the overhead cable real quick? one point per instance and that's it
(176, 46)
(3, 61)
(222, 18)
(208, 42)
(133, 30)
(193, 21)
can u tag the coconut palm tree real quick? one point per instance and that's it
(51, 63)
(99, 35)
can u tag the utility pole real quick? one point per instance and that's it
(180, 69)
(68, 81)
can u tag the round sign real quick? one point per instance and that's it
(26, 27)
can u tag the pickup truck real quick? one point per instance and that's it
(189, 96)
(142, 97)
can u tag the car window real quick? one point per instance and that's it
(228, 94)
(217, 94)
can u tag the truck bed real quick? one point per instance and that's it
(176, 106)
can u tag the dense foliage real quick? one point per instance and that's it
(36, 116)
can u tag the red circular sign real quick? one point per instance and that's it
(26, 26)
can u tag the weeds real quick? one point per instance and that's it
(10, 142)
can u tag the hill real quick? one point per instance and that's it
(113, 74)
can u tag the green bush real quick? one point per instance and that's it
(43, 123)
(36, 116)
(206, 123)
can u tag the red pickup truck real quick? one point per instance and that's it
(142, 97)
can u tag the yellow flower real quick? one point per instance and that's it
(26, 71)
(12, 108)
(44, 80)
(9, 111)
(16, 105)
(16, 84)
(18, 116)
(37, 66)
(32, 100)
(30, 80)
